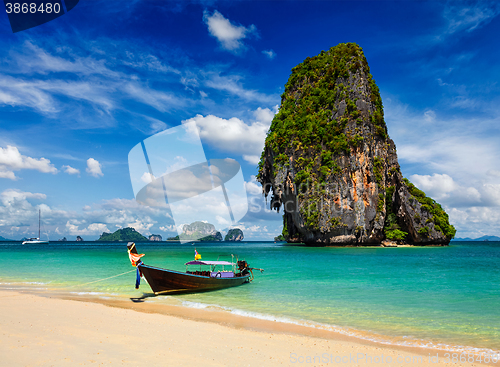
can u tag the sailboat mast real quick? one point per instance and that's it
(39, 214)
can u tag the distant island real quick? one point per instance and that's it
(206, 232)
(280, 238)
(482, 238)
(234, 235)
(125, 234)
(198, 231)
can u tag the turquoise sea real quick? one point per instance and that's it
(444, 297)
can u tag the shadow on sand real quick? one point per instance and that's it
(142, 298)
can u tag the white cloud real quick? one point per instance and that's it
(429, 115)
(230, 36)
(269, 53)
(94, 168)
(7, 174)
(234, 135)
(40, 94)
(170, 228)
(97, 228)
(147, 177)
(461, 17)
(473, 210)
(463, 148)
(475, 221)
(221, 220)
(16, 92)
(162, 101)
(72, 227)
(253, 188)
(98, 84)
(19, 216)
(436, 185)
(91, 87)
(156, 125)
(70, 170)
(231, 84)
(12, 160)
(444, 189)
(12, 197)
(265, 115)
(453, 160)
(39, 60)
(253, 159)
(140, 226)
(493, 173)
(469, 18)
(491, 194)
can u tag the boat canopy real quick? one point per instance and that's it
(200, 262)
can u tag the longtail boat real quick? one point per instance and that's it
(218, 275)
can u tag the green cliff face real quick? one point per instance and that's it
(331, 165)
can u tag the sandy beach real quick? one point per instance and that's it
(50, 331)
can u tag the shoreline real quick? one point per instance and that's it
(287, 335)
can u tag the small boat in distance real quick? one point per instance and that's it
(216, 276)
(36, 240)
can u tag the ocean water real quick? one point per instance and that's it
(444, 297)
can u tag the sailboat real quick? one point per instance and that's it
(36, 241)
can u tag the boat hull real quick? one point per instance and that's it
(164, 281)
(35, 242)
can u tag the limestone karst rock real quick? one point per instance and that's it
(234, 234)
(332, 167)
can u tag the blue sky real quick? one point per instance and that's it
(78, 93)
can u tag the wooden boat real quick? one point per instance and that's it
(216, 276)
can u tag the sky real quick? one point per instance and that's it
(77, 94)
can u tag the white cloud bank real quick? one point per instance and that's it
(454, 160)
(19, 217)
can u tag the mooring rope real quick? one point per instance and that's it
(100, 280)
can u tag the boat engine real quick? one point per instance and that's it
(243, 267)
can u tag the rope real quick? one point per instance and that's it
(95, 281)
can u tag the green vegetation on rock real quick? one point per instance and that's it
(311, 124)
(309, 120)
(439, 217)
(330, 163)
(234, 234)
